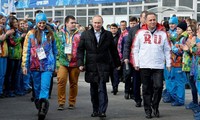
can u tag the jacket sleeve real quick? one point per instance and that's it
(81, 50)
(127, 45)
(26, 51)
(55, 52)
(135, 48)
(113, 51)
(167, 51)
(176, 50)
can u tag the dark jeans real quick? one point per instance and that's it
(99, 97)
(12, 75)
(136, 85)
(132, 82)
(127, 78)
(152, 86)
(193, 89)
(115, 76)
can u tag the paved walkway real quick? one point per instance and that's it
(21, 108)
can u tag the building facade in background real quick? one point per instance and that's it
(117, 11)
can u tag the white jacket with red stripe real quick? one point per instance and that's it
(151, 50)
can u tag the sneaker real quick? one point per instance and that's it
(191, 105)
(197, 114)
(60, 107)
(71, 107)
(28, 91)
(196, 110)
(11, 94)
(176, 104)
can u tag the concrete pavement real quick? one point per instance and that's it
(21, 108)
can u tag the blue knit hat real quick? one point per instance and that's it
(173, 20)
(40, 17)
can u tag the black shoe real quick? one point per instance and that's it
(102, 115)
(126, 96)
(2, 95)
(156, 113)
(95, 114)
(132, 97)
(148, 116)
(138, 104)
(115, 90)
(41, 115)
(43, 108)
(71, 107)
(32, 99)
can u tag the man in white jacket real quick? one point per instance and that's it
(151, 49)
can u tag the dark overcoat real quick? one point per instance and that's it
(97, 57)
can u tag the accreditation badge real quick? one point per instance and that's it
(40, 52)
(68, 49)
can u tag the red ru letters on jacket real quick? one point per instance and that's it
(147, 39)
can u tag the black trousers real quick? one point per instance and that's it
(136, 85)
(99, 97)
(152, 86)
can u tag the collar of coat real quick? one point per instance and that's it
(158, 27)
(102, 30)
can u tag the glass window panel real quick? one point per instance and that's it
(169, 2)
(135, 3)
(29, 13)
(92, 5)
(93, 11)
(81, 5)
(121, 3)
(107, 4)
(148, 7)
(48, 13)
(58, 6)
(187, 3)
(61, 20)
(107, 11)
(135, 10)
(137, 16)
(81, 21)
(59, 13)
(198, 7)
(151, 1)
(19, 8)
(48, 7)
(81, 12)
(198, 17)
(70, 12)
(20, 14)
(89, 20)
(121, 11)
(29, 9)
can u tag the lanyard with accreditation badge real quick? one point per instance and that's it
(68, 45)
(40, 52)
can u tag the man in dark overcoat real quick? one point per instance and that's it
(96, 51)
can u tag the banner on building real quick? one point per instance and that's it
(44, 3)
(8, 6)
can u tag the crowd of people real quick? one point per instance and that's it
(144, 54)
